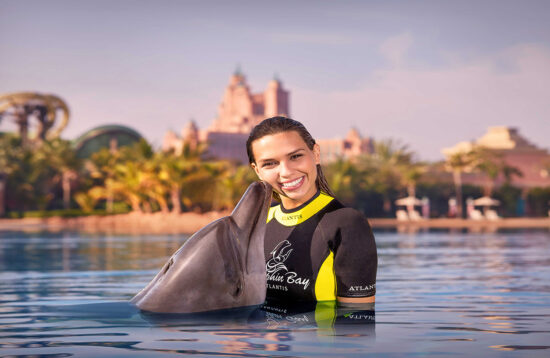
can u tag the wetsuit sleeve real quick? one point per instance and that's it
(355, 257)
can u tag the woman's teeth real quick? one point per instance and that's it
(292, 183)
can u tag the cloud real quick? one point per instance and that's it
(433, 108)
(395, 48)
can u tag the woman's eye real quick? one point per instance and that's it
(268, 164)
(295, 156)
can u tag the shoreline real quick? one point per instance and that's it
(447, 223)
(189, 222)
(130, 223)
(461, 225)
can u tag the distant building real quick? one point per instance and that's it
(516, 151)
(350, 147)
(108, 136)
(189, 135)
(240, 110)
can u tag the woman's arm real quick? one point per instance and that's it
(369, 299)
(356, 303)
(355, 259)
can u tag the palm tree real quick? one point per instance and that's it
(171, 170)
(10, 156)
(130, 174)
(3, 182)
(411, 173)
(200, 189)
(492, 164)
(128, 183)
(345, 178)
(175, 170)
(153, 186)
(231, 184)
(61, 157)
(101, 167)
(389, 161)
(134, 176)
(458, 163)
(29, 177)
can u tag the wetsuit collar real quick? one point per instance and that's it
(301, 213)
(288, 211)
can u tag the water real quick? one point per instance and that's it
(441, 294)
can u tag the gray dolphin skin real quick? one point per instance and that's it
(221, 266)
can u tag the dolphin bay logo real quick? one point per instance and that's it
(278, 272)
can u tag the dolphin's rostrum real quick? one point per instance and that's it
(221, 266)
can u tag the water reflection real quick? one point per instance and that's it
(69, 251)
(272, 326)
(237, 332)
(440, 293)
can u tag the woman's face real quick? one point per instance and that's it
(288, 165)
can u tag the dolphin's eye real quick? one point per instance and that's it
(168, 265)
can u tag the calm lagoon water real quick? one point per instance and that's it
(438, 293)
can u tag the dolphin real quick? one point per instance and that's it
(221, 266)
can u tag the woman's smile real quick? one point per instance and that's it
(293, 184)
(285, 161)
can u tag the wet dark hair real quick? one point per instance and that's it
(281, 124)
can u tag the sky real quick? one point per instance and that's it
(427, 73)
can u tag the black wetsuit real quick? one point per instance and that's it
(318, 251)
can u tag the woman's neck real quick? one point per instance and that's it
(291, 205)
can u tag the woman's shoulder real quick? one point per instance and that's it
(347, 224)
(344, 215)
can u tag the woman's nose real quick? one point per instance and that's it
(284, 169)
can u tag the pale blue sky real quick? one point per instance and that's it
(430, 73)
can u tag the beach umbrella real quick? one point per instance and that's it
(486, 201)
(409, 200)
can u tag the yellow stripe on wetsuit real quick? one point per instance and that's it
(299, 216)
(325, 284)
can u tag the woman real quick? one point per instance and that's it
(316, 249)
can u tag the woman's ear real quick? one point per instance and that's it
(255, 167)
(317, 153)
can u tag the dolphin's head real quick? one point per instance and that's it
(221, 266)
(251, 211)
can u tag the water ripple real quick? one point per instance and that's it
(439, 294)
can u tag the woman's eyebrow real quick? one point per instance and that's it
(262, 160)
(295, 151)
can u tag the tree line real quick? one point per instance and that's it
(49, 175)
